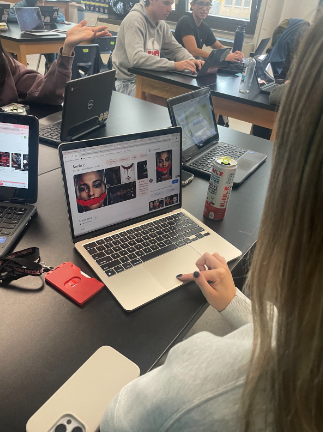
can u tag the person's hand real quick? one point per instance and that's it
(236, 56)
(215, 280)
(186, 65)
(80, 33)
(198, 64)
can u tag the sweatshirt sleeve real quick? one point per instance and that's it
(277, 94)
(196, 389)
(12, 13)
(135, 50)
(172, 49)
(238, 312)
(49, 89)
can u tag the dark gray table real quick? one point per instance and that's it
(23, 44)
(126, 115)
(252, 108)
(45, 337)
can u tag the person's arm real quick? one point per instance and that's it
(172, 49)
(49, 89)
(135, 50)
(12, 13)
(34, 87)
(60, 18)
(190, 44)
(199, 374)
(217, 285)
(236, 56)
(277, 94)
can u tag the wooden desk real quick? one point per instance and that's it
(252, 108)
(45, 337)
(23, 44)
(62, 4)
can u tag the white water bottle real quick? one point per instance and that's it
(247, 74)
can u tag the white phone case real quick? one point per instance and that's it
(88, 392)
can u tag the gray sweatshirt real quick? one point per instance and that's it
(140, 42)
(197, 389)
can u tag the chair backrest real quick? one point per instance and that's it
(86, 61)
(106, 44)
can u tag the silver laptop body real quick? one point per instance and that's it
(124, 199)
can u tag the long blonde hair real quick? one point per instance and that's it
(287, 267)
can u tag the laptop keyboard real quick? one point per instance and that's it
(10, 218)
(269, 87)
(51, 134)
(206, 160)
(120, 252)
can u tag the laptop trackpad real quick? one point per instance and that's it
(166, 267)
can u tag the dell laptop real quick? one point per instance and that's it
(212, 64)
(30, 21)
(124, 198)
(86, 107)
(18, 176)
(194, 113)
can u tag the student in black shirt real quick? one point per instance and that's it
(192, 32)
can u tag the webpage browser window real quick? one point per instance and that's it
(14, 155)
(112, 183)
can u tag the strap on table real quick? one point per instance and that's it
(22, 263)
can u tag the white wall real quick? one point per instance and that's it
(272, 12)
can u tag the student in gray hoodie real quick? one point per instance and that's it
(142, 36)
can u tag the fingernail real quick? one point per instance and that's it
(180, 275)
(196, 274)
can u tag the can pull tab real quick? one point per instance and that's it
(226, 160)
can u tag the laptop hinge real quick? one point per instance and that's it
(14, 201)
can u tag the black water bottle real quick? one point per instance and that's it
(239, 38)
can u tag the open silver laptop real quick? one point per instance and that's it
(124, 199)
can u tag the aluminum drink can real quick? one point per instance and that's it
(220, 187)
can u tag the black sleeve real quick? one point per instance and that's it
(184, 28)
(210, 38)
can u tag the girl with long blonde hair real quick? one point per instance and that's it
(268, 374)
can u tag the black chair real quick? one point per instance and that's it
(86, 61)
(107, 45)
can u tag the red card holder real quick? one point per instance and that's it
(69, 279)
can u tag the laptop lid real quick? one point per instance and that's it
(29, 18)
(214, 61)
(261, 47)
(4, 12)
(194, 113)
(18, 158)
(264, 72)
(117, 181)
(86, 104)
(49, 14)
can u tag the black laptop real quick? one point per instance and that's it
(18, 175)
(49, 16)
(261, 47)
(194, 113)
(212, 64)
(86, 107)
(265, 76)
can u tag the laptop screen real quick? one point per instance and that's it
(112, 183)
(196, 119)
(264, 72)
(14, 156)
(29, 18)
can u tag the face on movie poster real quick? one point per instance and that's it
(90, 190)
